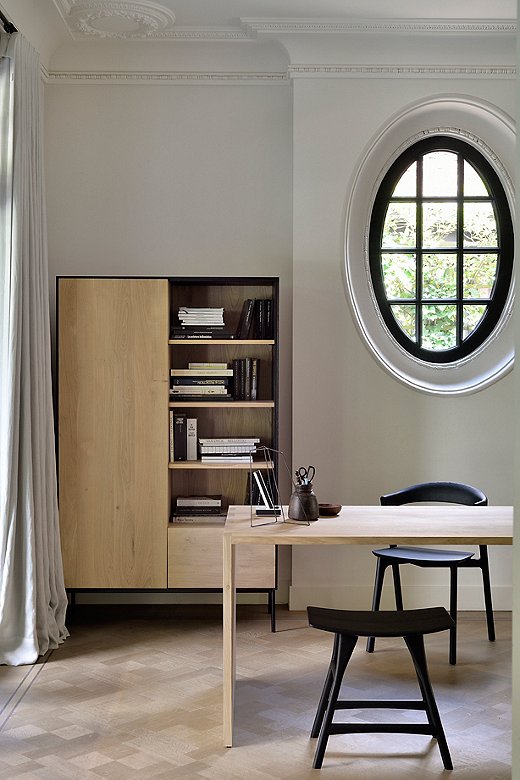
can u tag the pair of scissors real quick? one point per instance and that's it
(305, 475)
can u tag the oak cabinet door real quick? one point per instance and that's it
(113, 379)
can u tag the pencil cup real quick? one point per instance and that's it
(303, 504)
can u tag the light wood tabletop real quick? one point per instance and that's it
(369, 525)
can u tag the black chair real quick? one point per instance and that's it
(394, 556)
(347, 626)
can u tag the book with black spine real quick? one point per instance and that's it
(269, 325)
(179, 436)
(246, 319)
(200, 381)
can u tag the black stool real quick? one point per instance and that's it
(412, 625)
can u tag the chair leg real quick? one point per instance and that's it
(415, 645)
(346, 645)
(397, 587)
(453, 613)
(324, 698)
(376, 598)
(484, 565)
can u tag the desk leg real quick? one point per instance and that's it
(229, 638)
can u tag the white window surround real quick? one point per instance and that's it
(492, 132)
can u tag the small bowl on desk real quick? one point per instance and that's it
(329, 510)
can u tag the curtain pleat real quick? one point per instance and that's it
(32, 594)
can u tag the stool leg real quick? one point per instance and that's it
(484, 565)
(453, 613)
(324, 698)
(376, 598)
(346, 645)
(397, 587)
(415, 645)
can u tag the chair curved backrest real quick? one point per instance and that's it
(445, 492)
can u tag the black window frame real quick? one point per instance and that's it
(505, 252)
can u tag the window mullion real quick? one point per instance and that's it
(418, 253)
(460, 247)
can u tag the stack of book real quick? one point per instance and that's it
(198, 509)
(228, 450)
(245, 374)
(201, 382)
(256, 319)
(201, 323)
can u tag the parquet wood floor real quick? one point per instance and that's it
(135, 692)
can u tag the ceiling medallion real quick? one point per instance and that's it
(125, 20)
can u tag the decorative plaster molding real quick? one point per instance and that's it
(296, 71)
(171, 78)
(334, 26)
(406, 71)
(140, 20)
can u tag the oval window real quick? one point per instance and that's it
(441, 249)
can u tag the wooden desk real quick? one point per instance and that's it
(370, 525)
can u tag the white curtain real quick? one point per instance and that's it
(32, 594)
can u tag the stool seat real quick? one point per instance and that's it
(392, 623)
(347, 626)
(423, 556)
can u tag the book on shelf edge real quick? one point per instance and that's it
(179, 436)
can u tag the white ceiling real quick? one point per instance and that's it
(93, 35)
(170, 19)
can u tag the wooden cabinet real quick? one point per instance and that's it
(116, 483)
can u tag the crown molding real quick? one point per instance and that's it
(293, 72)
(164, 78)
(277, 26)
(404, 71)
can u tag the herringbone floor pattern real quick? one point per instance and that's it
(136, 693)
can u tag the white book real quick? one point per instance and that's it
(201, 372)
(199, 390)
(230, 459)
(213, 501)
(191, 438)
(199, 519)
(228, 441)
(207, 365)
(223, 449)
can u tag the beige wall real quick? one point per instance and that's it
(366, 432)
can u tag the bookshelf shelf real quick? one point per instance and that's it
(222, 404)
(220, 342)
(198, 466)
